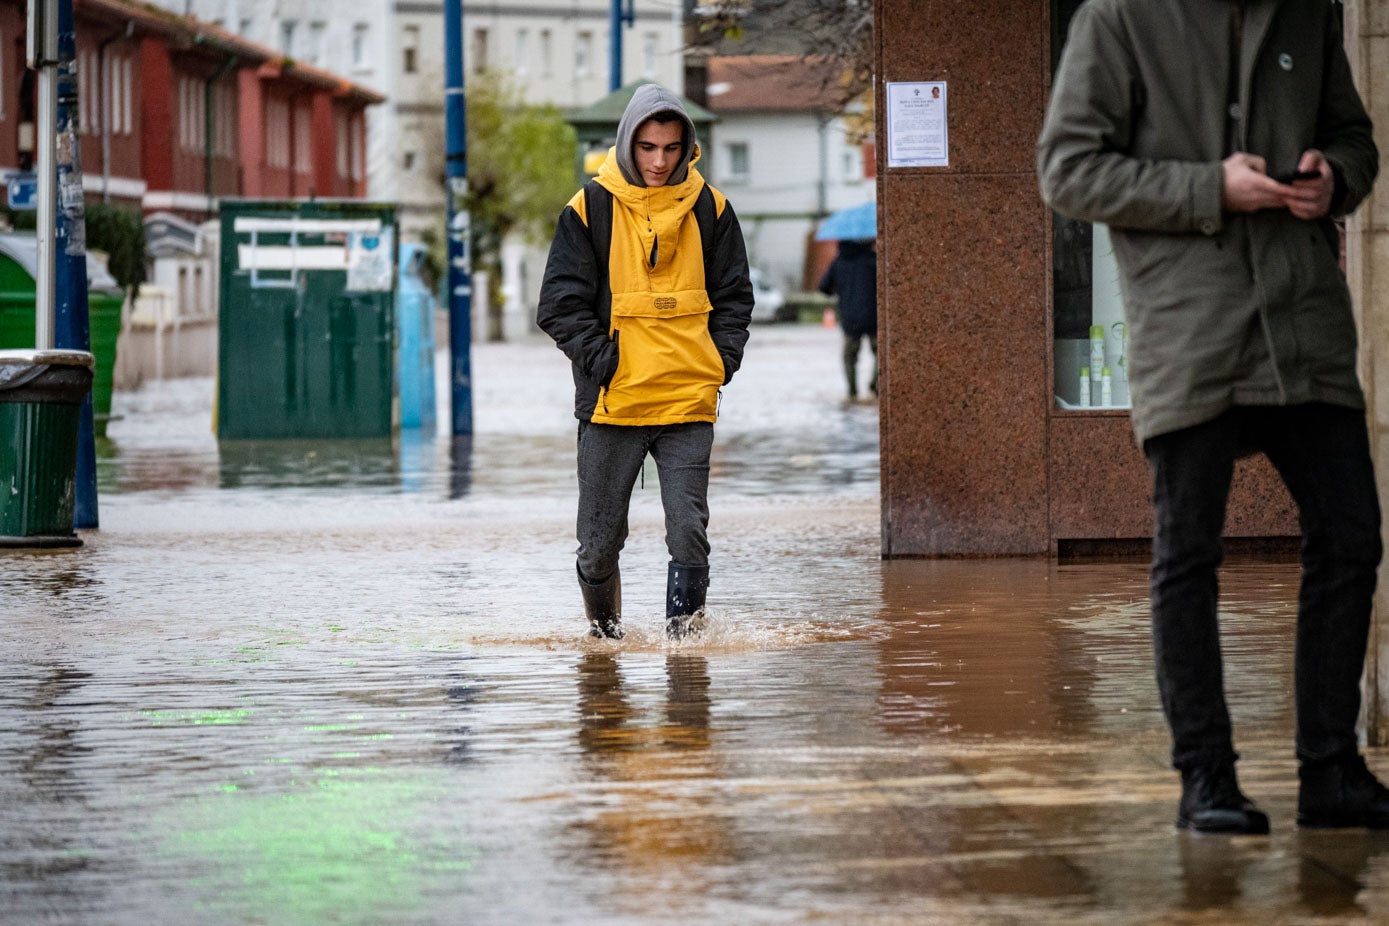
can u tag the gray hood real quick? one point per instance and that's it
(649, 100)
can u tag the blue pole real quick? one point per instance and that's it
(460, 263)
(71, 324)
(615, 45)
(617, 16)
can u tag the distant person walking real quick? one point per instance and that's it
(647, 292)
(1217, 139)
(853, 276)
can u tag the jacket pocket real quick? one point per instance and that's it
(668, 368)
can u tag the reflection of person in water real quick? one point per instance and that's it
(662, 820)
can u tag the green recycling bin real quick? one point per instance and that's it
(41, 393)
(18, 267)
(306, 321)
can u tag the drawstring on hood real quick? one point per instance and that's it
(649, 100)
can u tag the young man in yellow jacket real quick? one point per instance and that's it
(647, 293)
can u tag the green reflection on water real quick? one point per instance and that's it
(195, 718)
(352, 847)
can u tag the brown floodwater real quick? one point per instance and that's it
(348, 683)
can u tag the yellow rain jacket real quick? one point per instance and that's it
(655, 334)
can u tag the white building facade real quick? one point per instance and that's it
(557, 51)
(785, 158)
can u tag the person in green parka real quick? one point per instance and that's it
(1219, 140)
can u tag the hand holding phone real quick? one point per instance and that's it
(1293, 175)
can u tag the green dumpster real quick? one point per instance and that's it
(18, 264)
(41, 395)
(306, 327)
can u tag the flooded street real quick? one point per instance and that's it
(315, 683)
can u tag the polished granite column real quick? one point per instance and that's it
(963, 271)
(1367, 268)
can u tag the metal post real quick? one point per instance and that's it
(617, 16)
(460, 262)
(42, 52)
(71, 327)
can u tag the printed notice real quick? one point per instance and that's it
(917, 128)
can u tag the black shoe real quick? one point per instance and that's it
(603, 605)
(1341, 793)
(686, 587)
(1213, 803)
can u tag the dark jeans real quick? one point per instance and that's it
(1322, 453)
(610, 457)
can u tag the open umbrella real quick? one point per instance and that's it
(856, 223)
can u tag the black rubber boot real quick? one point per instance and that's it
(1213, 803)
(1341, 793)
(603, 605)
(685, 590)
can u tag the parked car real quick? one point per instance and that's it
(768, 299)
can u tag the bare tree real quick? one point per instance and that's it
(838, 30)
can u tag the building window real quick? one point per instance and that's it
(343, 128)
(360, 61)
(127, 92)
(87, 87)
(479, 50)
(648, 55)
(303, 139)
(315, 50)
(287, 29)
(277, 129)
(409, 49)
(546, 53)
(408, 160)
(359, 145)
(583, 54)
(739, 163)
(522, 52)
(853, 165)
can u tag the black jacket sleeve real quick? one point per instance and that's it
(569, 303)
(730, 292)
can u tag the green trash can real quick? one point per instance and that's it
(41, 393)
(18, 265)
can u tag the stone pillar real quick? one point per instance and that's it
(963, 287)
(1367, 270)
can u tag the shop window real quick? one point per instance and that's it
(1090, 349)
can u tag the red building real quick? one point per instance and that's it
(174, 113)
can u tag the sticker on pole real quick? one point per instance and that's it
(369, 265)
(22, 187)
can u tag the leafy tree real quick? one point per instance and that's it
(520, 175)
(120, 233)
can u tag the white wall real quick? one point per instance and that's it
(780, 199)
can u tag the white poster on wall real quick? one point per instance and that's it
(917, 125)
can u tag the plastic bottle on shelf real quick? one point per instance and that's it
(1106, 387)
(1096, 353)
(1084, 387)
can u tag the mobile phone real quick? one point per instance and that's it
(1292, 175)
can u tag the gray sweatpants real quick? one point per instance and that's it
(610, 457)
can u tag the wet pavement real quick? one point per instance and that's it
(317, 683)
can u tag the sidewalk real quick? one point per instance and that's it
(309, 684)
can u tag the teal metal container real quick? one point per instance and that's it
(307, 320)
(41, 395)
(415, 307)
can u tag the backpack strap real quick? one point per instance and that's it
(704, 214)
(598, 208)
